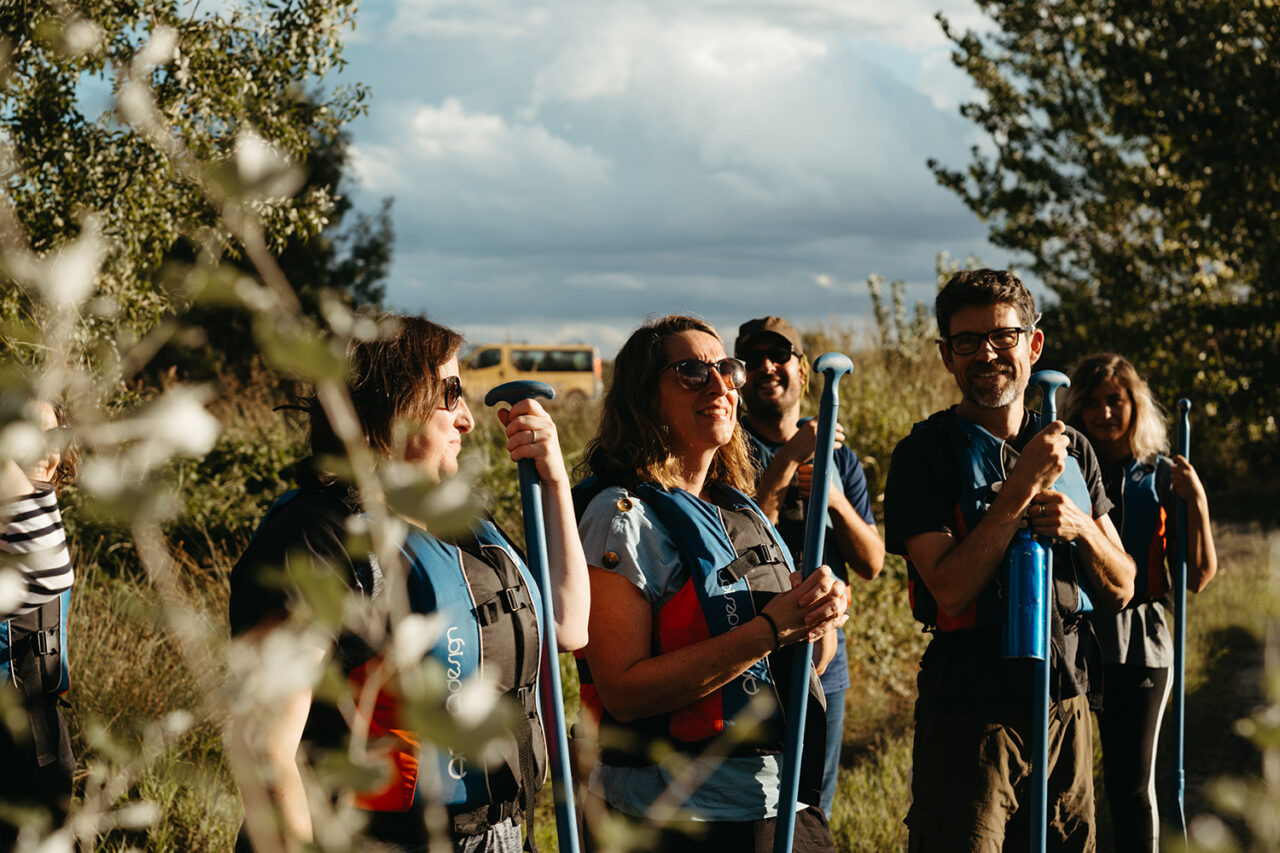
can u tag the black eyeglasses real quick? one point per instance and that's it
(452, 392)
(967, 343)
(694, 373)
(778, 354)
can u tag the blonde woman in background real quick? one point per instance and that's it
(1114, 407)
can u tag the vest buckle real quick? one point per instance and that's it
(45, 641)
(511, 597)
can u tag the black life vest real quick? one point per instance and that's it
(736, 563)
(982, 461)
(33, 657)
(1144, 527)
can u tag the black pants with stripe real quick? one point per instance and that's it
(1129, 725)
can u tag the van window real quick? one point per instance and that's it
(528, 359)
(486, 358)
(578, 360)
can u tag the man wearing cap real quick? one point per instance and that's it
(777, 375)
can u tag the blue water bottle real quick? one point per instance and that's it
(1024, 598)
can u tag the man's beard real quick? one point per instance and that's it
(995, 398)
(776, 405)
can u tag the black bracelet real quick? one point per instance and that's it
(773, 626)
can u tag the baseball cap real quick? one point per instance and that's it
(772, 324)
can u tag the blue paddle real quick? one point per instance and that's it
(1049, 381)
(832, 366)
(1180, 631)
(535, 538)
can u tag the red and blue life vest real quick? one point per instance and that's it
(982, 461)
(1144, 528)
(736, 563)
(490, 604)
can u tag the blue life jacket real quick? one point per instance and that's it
(736, 563)
(482, 589)
(490, 606)
(1144, 527)
(982, 461)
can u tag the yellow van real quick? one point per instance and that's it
(573, 370)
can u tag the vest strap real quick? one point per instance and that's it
(41, 708)
(507, 600)
(755, 555)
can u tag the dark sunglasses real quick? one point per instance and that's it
(452, 392)
(695, 373)
(778, 354)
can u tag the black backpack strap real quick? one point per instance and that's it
(32, 647)
(528, 784)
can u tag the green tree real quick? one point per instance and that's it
(347, 260)
(248, 77)
(1129, 153)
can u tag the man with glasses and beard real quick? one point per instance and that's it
(777, 375)
(959, 487)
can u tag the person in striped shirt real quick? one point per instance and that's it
(35, 580)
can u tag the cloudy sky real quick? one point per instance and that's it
(561, 168)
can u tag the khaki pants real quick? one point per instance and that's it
(971, 779)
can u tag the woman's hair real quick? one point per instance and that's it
(69, 460)
(632, 443)
(393, 378)
(1148, 432)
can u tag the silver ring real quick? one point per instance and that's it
(1041, 510)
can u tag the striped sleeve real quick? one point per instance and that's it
(32, 541)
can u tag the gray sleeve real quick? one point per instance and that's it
(622, 535)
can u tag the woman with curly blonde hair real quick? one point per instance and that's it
(1115, 408)
(693, 594)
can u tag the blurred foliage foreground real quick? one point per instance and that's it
(174, 478)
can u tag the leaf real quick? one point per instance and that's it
(303, 352)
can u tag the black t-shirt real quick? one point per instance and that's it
(306, 533)
(923, 485)
(922, 491)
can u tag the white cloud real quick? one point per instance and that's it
(606, 337)
(605, 281)
(477, 160)
(567, 166)
(947, 86)
(464, 19)
(908, 24)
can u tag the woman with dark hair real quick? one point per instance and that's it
(1114, 407)
(693, 594)
(33, 624)
(408, 398)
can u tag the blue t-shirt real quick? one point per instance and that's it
(790, 527)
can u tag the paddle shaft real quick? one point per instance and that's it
(1178, 815)
(814, 542)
